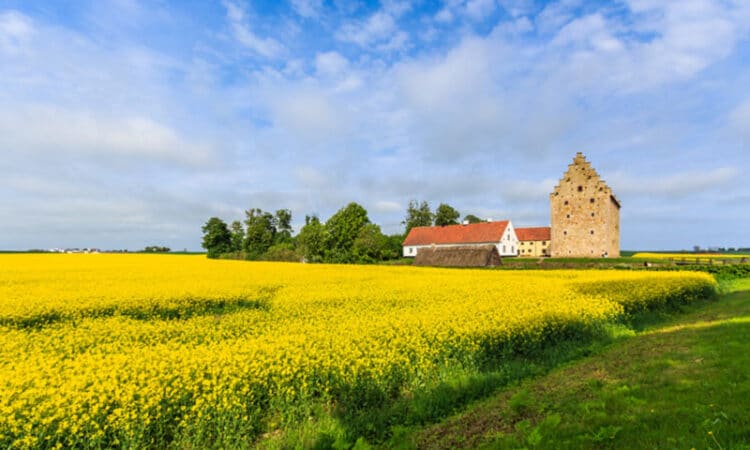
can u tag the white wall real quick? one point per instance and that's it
(411, 250)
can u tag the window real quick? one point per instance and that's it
(592, 214)
(592, 231)
(566, 202)
(567, 216)
(592, 200)
(580, 188)
(503, 249)
(565, 232)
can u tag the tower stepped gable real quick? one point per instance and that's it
(584, 214)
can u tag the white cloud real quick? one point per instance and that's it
(308, 114)
(517, 8)
(398, 42)
(310, 9)
(378, 27)
(396, 8)
(330, 63)
(268, 47)
(386, 206)
(15, 29)
(479, 9)
(674, 186)
(55, 131)
(521, 191)
(444, 16)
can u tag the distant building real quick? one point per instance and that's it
(500, 234)
(465, 256)
(584, 214)
(534, 241)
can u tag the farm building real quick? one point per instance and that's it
(499, 233)
(584, 222)
(584, 214)
(467, 256)
(533, 241)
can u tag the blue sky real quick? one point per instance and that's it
(126, 123)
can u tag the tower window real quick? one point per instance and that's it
(565, 233)
(580, 188)
(592, 214)
(567, 216)
(592, 200)
(592, 231)
(566, 202)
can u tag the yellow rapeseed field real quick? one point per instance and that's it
(153, 351)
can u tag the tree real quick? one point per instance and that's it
(260, 232)
(417, 215)
(370, 244)
(393, 246)
(342, 229)
(238, 235)
(156, 249)
(446, 215)
(312, 240)
(282, 252)
(284, 230)
(216, 237)
(471, 218)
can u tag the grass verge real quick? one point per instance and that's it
(683, 383)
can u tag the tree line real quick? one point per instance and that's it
(348, 236)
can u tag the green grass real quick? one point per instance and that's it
(407, 420)
(683, 383)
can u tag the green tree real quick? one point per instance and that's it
(370, 244)
(260, 232)
(342, 229)
(238, 235)
(156, 249)
(393, 246)
(446, 215)
(471, 218)
(417, 215)
(284, 251)
(311, 240)
(284, 230)
(216, 237)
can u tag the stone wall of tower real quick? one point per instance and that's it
(584, 214)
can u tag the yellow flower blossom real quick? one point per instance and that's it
(128, 350)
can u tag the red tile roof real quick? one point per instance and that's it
(457, 234)
(534, 234)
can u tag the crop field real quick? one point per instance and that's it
(692, 256)
(157, 351)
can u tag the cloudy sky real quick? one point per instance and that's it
(126, 123)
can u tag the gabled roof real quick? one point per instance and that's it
(534, 234)
(580, 163)
(475, 233)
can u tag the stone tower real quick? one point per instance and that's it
(584, 214)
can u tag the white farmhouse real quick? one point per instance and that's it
(499, 233)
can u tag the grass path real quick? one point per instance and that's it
(682, 384)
